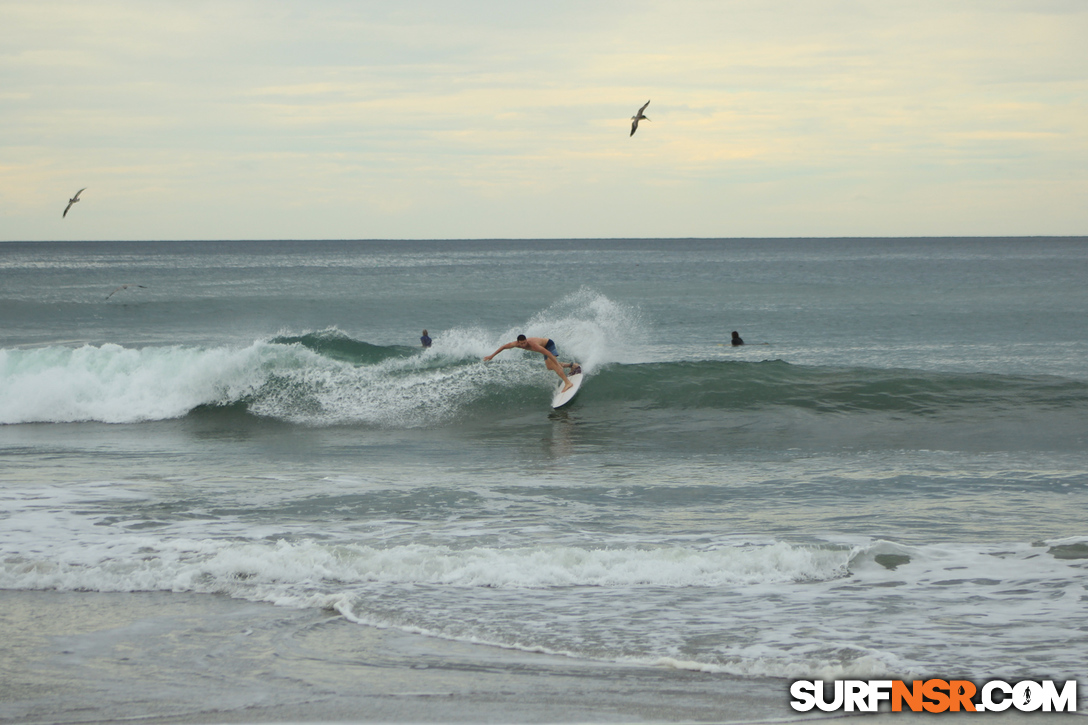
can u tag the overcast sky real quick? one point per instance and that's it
(328, 119)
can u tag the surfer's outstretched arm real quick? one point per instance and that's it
(507, 346)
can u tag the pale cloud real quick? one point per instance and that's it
(479, 119)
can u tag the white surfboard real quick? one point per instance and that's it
(560, 399)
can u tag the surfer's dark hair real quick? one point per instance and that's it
(521, 338)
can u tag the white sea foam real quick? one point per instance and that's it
(113, 384)
(831, 611)
(587, 327)
(592, 329)
(142, 562)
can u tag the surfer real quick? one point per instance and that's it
(546, 347)
(425, 340)
(736, 339)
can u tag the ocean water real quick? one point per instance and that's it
(889, 478)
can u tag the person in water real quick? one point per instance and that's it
(736, 339)
(425, 340)
(546, 347)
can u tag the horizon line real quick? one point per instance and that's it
(543, 239)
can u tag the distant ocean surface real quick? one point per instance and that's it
(889, 478)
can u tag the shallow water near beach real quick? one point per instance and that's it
(889, 478)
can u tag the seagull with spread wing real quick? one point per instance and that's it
(71, 201)
(636, 118)
(124, 286)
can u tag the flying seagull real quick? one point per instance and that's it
(71, 201)
(124, 286)
(634, 120)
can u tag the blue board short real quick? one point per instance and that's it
(550, 347)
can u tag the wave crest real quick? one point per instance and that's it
(328, 378)
(113, 384)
